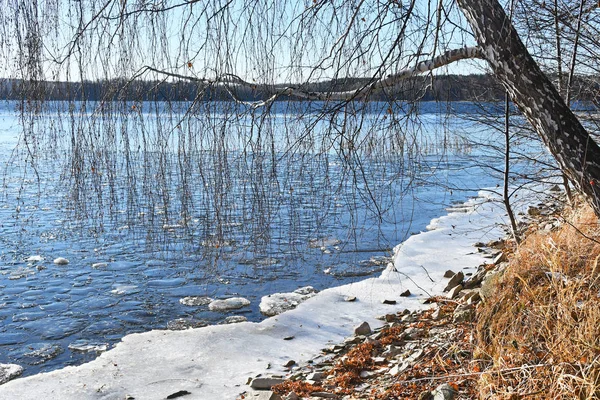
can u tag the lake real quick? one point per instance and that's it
(158, 203)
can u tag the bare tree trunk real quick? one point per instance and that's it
(505, 192)
(577, 154)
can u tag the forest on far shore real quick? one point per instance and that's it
(480, 87)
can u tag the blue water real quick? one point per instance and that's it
(245, 219)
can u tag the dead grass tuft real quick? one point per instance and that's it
(538, 335)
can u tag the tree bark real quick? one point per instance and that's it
(577, 154)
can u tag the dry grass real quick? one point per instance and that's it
(539, 336)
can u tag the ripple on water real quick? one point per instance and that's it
(96, 302)
(28, 316)
(7, 338)
(59, 328)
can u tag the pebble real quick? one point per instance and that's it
(362, 329)
(265, 383)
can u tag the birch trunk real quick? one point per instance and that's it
(577, 154)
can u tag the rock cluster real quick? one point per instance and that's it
(408, 346)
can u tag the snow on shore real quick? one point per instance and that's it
(215, 362)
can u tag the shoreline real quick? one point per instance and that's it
(216, 362)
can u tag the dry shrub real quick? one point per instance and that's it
(538, 335)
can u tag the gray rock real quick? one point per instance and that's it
(316, 376)
(291, 396)
(449, 274)
(9, 371)
(412, 333)
(500, 258)
(324, 395)
(475, 279)
(265, 383)
(464, 313)
(444, 392)
(455, 280)
(362, 329)
(453, 293)
(264, 395)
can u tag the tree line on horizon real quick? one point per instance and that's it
(474, 87)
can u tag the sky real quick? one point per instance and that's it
(261, 41)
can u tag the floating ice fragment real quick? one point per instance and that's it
(228, 304)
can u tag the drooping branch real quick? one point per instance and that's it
(230, 82)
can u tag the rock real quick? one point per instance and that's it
(277, 303)
(426, 395)
(289, 337)
(9, 371)
(475, 279)
(61, 261)
(533, 211)
(265, 383)
(489, 283)
(455, 280)
(263, 395)
(34, 259)
(386, 301)
(500, 258)
(291, 396)
(449, 274)
(464, 313)
(196, 300)
(99, 265)
(412, 333)
(406, 293)
(316, 376)
(235, 319)
(362, 329)
(232, 303)
(350, 298)
(478, 244)
(289, 364)
(324, 395)
(443, 392)
(453, 293)
(437, 314)
(555, 188)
